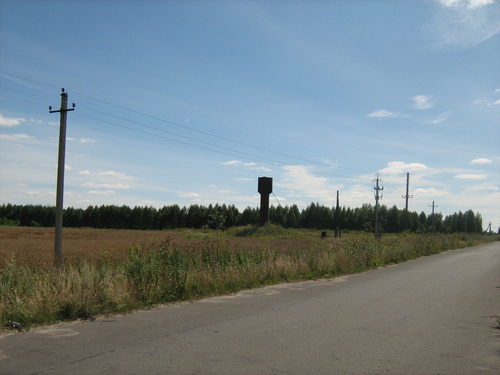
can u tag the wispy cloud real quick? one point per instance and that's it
(101, 192)
(15, 137)
(265, 169)
(232, 162)
(430, 192)
(439, 118)
(115, 174)
(471, 4)
(87, 140)
(251, 165)
(464, 23)
(470, 176)
(422, 102)
(384, 113)
(8, 122)
(481, 161)
(189, 195)
(105, 186)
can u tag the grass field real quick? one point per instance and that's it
(110, 271)
(36, 245)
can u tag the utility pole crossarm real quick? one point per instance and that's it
(60, 174)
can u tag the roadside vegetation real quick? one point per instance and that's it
(36, 292)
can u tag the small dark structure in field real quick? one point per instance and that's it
(265, 188)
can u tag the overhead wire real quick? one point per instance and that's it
(186, 127)
(279, 205)
(231, 152)
(203, 144)
(224, 150)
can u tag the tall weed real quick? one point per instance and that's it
(37, 294)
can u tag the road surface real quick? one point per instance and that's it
(433, 315)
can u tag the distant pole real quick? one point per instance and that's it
(378, 226)
(337, 218)
(407, 196)
(433, 221)
(60, 175)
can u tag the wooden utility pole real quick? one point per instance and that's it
(337, 218)
(378, 224)
(60, 175)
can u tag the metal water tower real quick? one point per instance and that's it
(265, 188)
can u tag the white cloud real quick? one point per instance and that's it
(117, 175)
(440, 118)
(470, 176)
(232, 162)
(105, 186)
(265, 169)
(101, 192)
(481, 161)
(84, 173)
(487, 187)
(429, 192)
(471, 4)
(10, 121)
(495, 103)
(422, 102)
(464, 23)
(299, 181)
(189, 195)
(87, 140)
(15, 137)
(383, 113)
(399, 167)
(244, 179)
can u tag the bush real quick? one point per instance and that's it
(10, 223)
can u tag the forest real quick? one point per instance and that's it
(315, 216)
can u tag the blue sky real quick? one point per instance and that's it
(189, 102)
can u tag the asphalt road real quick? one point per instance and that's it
(433, 315)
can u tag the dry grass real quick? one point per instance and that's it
(36, 245)
(108, 271)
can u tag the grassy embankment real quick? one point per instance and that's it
(166, 272)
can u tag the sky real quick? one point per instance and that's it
(190, 102)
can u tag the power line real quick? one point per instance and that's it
(29, 80)
(228, 151)
(24, 92)
(234, 153)
(22, 100)
(181, 126)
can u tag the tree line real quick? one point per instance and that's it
(315, 216)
